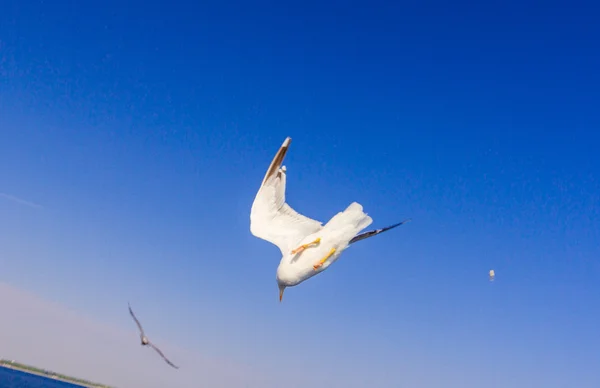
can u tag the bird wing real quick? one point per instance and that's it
(139, 325)
(162, 355)
(375, 232)
(271, 218)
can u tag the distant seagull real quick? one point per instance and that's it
(146, 342)
(492, 275)
(307, 247)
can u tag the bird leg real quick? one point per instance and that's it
(304, 246)
(323, 260)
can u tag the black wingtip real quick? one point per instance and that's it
(375, 232)
(398, 224)
(277, 160)
(392, 226)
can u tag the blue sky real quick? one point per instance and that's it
(141, 131)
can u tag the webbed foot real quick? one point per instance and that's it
(323, 260)
(304, 246)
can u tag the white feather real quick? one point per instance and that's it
(271, 218)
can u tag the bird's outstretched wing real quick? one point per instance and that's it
(139, 325)
(162, 355)
(271, 218)
(375, 232)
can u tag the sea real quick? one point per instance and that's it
(10, 378)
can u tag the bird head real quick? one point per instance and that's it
(287, 276)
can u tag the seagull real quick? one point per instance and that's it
(146, 342)
(307, 246)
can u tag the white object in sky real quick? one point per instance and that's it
(492, 275)
(307, 247)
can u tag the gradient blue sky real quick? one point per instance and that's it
(138, 133)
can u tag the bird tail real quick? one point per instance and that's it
(348, 223)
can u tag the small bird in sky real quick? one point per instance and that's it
(146, 342)
(492, 275)
(307, 246)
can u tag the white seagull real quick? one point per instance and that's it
(307, 247)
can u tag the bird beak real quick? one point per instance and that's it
(281, 293)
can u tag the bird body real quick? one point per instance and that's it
(307, 246)
(336, 234)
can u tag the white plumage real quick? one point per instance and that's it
(273, 220)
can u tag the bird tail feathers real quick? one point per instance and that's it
(350, 222)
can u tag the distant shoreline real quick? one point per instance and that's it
(49, 374)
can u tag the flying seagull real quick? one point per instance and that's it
(307, 246)
(146, 342)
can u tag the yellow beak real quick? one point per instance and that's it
(281, 293)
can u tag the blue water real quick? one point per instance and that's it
(10, 378)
